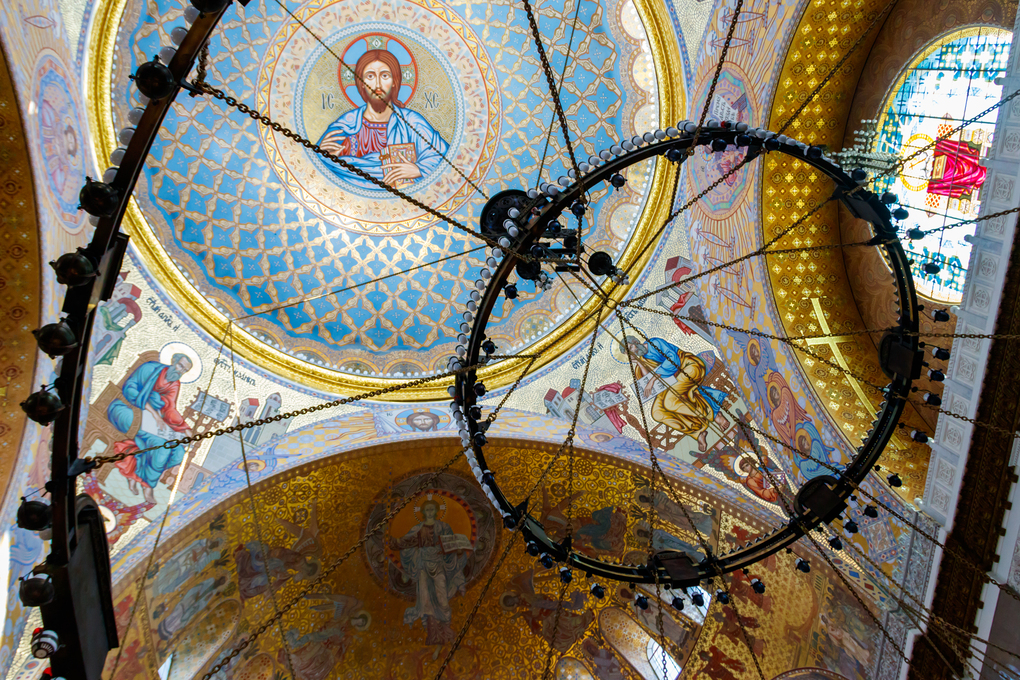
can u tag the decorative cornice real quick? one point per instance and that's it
(984, 490)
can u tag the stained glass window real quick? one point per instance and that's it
(658, 660)
(947, 82)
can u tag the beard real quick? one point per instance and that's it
(378, 105)
(172, 375)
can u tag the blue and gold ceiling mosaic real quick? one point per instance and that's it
(283, 243)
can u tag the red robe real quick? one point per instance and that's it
(962, 174)
(168, 391)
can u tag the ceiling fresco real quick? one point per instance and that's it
(256, 257)
(249, 226)
(217, 389)
(796, 293)
(19, 262)
(374, 616)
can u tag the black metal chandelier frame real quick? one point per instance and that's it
(79, 557)
(821, 499)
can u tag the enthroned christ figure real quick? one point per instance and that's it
(377, 136)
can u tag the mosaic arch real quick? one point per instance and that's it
(241, 223)
(210, 583)
(803, 403)
(936, 92)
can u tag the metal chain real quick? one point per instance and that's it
(892, 511)
(915, 615)
(715, 76)
(315, 148)
(563, 74)
(203, 65)
(929, 615)
(747, 256)
(988, 426)
(103, 460)
(899, 165)
(964, 223)
(394, 109)
(569, 442)
(478, 602)
(551, 81)
(166, 514)
(657, 469)
(258, 520)
(804, 529)
(782, 495)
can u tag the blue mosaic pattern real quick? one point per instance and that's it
(237, 232)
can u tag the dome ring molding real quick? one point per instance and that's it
(821, 499)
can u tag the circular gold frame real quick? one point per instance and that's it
(99, 74)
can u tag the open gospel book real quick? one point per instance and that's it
(399, 153)
(152, 424)
(455, 542)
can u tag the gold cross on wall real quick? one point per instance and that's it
(833, 344)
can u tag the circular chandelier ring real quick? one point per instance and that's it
(821, 499)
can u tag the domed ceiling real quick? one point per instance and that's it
(326, 277)
(223, 195)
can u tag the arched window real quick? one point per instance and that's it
(947, 82)
(692, 611)
(200, 642)
(656, 659)
(631, 642)
(570, 668)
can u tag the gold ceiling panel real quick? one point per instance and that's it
(385, 614)
(813, 291)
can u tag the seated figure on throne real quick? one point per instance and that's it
(151, 394)
(684, 405)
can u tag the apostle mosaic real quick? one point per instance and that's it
(683, 403)
(380, 136)
(149, 395)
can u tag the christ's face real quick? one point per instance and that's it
(378, 80)
(421, 422)
(429, 512)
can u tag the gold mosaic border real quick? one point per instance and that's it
(99, 78)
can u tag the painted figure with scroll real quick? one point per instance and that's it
(381, 137)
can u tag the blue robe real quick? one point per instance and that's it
(667, 356)
(398, 131)
(811, 467)
(139, 392)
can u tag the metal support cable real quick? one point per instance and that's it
(563, 73)
(553, 91)
(715, 77)
(656, 469)
(103, 460)
(835, 68)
